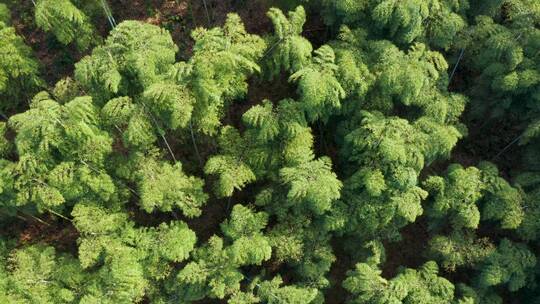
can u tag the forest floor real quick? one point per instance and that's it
(180, 17)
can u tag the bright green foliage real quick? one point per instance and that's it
(127, 258)
(415, 78)
(214, 271)
(119, 280)
(345, 159)
(65, 21)
(164, 186)
(223, 58)
(134, 56)
(168, 243)
(457, 196)
(465, 192)
(504, 203)
(173, 104)
(277, 136)
(210, 274)
(318, 87)
(409, 286)
(272, 292)
(510, 264)
(401, 18)
(277, 146)
(244, 227)
(287, 50)
(407, 20)
(61, 151)
(318, 257)
(233, 173)
(98, 227)
(313, 183)
(299, 240)
(281, 132)
(35, 274)
(19, 71)
(383, 194)
(411, 122)
(243, 222)
(134, 121)
(129, 75)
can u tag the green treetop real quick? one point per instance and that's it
(436, 22)
(163, 186)
(62, 152)
(500, 50)
(318, 87)
(421, 285)
(125, 261)
(223, 58)
(511, 264)
(272, 292)
(134, 56)
(280, 145)
(37, 274)
(19, 71)
(313, 183)
(215, 269)
(468, 195)
(397, 118)
(277, 136)
(287, 50)
(65, 21)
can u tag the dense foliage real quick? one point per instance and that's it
(279, 167)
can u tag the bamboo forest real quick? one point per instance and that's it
(269, 151)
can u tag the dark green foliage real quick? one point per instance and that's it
(510, 264)
(459, 249)
(5, 14)
(530, 228)
(502, 51)
(434, 21)
(412, 121)
(19, 71)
